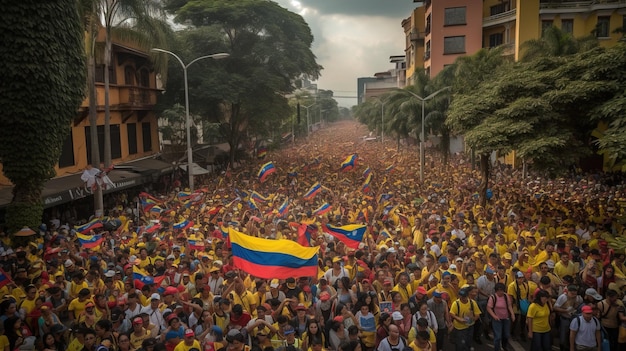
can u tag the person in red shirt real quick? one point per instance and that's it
(239, 318)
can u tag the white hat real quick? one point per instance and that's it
(155, 296)
(391, 250)
(459, 259)
(171, 257)
(110, 273)
(452, 267)
(274, 284)
(397, 316)
(550, 264)
(428, 241)
(68, 263)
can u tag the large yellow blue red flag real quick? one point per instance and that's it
(351, 234)
(265, 171)
(349, 163)
(268, 259)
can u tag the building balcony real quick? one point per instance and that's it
(500, 18)
(565, 6)
(137, 98)
(416, 37)
(427, 55)
(508, 49)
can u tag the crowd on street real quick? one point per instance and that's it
(540, 263)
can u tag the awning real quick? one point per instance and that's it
(64, 189)
(197, 170)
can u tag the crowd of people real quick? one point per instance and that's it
(434, 269)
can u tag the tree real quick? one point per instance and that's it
(474, 72)
(269, 48)
(436, 119)
(42, 81)
(141, 22)
(555, 42)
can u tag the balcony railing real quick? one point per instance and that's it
(580, 6)
(137, 97)
(500, 18)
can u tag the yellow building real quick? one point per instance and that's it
(134, 131)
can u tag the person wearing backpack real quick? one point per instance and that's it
(500, 308)
(464, 313)
(585, 331)
(566, 306)
(609, 318)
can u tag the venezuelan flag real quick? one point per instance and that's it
(383, 197)
(93, 224)
(156, 209)
(282, 210)
(315, 188)
(183, 224)
(349, 163)
(195, 244)
(261, 152)
(89, 241)
(268, 259)
(265, 171)
(4, 278)
(184, 195)
(139, 273)
(322, 209)
(351, 234)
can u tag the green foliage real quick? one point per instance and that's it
(42, 80)
(269, 49)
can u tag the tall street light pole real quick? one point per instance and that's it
(307, 117)
(422, 137)
(187, 117)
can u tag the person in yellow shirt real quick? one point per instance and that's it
(78, 284)
(521, 291)
(403, 287)
(464, 313)
(564, 266)
(189, 342)
(538, 320)
(77, 305)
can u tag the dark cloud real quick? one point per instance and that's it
(384, 8)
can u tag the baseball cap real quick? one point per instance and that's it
(443, 259)
(519, 274)
(397, 316)
(155, 296)
(586, 309)
(138, 320)
(189, 333)
(421, 290)
(338, 319)
(489, 270)
(593, 293)
(324, 296)
(274, 284)
(289, 330)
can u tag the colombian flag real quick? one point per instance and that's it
(322, 209)
(366, 183)
(195, 244)
(315, 188)
(93, 224)
(269, 259)
(265, 171)
(367, 172)
(183, 225)
(258, 197)
(89, 241)
(349, 163)
(351, 234)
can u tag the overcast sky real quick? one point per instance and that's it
(353, 38)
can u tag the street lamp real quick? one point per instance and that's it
(423, 100)
(382, 118)
(187, 117)
(307, 117)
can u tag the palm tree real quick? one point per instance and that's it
(436, 119)
(555, 42)
(139, 21)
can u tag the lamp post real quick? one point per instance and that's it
(307, 117)
(423, 100)
(187, 117)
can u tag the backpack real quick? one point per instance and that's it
(506, 297)
(458, 306)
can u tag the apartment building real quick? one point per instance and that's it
(454, 28)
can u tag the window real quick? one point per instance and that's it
(602, 28)
(147, 136)
(427, 29)
(427, 51)
(145, 77)
(496, 39)
(100, 74)
(545, 25)
(567, 26)
(131, 130)
(67, 152)
(116, 147)
(454, 16)
(454, 45)
(129, 75)
(498, 9)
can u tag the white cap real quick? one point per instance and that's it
(429, 241)
(550, 264)
(397, 316)
(110, 273)
(452, 267)
(155, 296)
(68, 263)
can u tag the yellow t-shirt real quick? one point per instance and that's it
(4, 342)
(182, 347)
(464, 310)
(541, 317)
(75, 345)
(77, 307)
